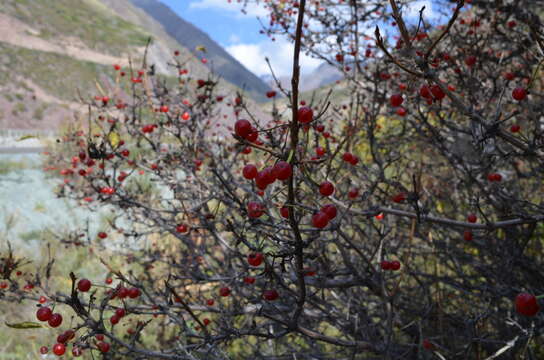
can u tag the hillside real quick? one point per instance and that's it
(51, 52)
(191, 37)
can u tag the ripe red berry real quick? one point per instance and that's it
(437, 92)
(385, 265)
(242, 128)
(467, 235)
(270, 94)
(104, 347)
(396, 100)
(120, 312)
(255, 259)
(44, 350)
(55, 320)
(210, 302)
(515, 128)
(182, 228)
(102, 235)
(254, 209)
(305, 115)
(471, 218)
(249, 171)
(44, 313)
(470, 60)
(270, 295)
(526, 304)
(59, 349)
(249, 280)
(395, 265)
(84, 285)
(133, 293)
(427, 345)
(320, 220)
(224, 291)
(347, 157)
(326, 188)
(519, 93)
(283, 170)
(400, 197)
(206, 322)
(284, 212)
(114, 319)
(330, 210)
(425, 92)
(353, 193)
(319, 151)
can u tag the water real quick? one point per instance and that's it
(28, 204)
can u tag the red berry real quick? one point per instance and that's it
(206, 322)
(254, 209)
(270, 94)
(270, 295)
(284, 212)
(102, 235)
(44, 350)
(519, 93)
(44, 313)
(385, 265)
(76, 351)
(55, 320)
(326, 188)
(210, 302)
(224, 291)
(515, 128)
(437, 92)
(283, 170)
(255, 259)
(249, 171)
(59, 349)
(427, 344)
(330, 210)
(467, 235)
(242, 128)
(353, 193)
(471, 218)
(133, 293)
(120, 312)
(182, 228)
(249, 280)
(396, 100)
(470, 60)
(114, 319)
(400, 197)
(526, 304)
(320, 220)
(305, 115)
(395, 265)
(425, 92)
(347, 157)
(104, 347)
(84, 285)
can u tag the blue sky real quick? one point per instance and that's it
(239, 34)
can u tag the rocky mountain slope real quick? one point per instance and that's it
(54, 52)
(191, 37)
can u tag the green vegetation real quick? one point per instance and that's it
(87, 20)
(59, 75)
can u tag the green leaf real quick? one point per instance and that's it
(25, 325)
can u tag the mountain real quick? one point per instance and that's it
(324, 74)
(191, 37)
(55, 53)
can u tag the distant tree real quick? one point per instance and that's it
(403, 221)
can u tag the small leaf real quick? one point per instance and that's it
(114, 139)
(25, 325)
(201, 48)
(26, 137)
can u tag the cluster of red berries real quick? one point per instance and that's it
(390, 265)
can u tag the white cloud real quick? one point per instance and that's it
(234, 39)
(280, 53)
(231, 6)
(413, 9)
